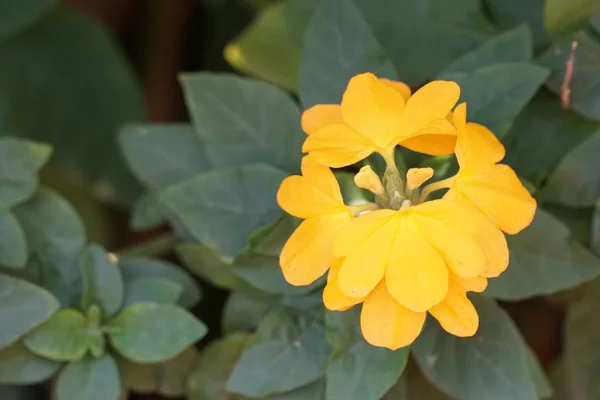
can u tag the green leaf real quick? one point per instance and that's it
(490, 365)
(286, 352)
(168, 378)
(21, 159)
(595, 231)
(16, 15)
(133, 268)
(152, 290)
(496, 93)
(313, 391)
(576, 180)
(13, 246)
(358, 370)
(207, 380)
(245, 311)
(243, 121)
(148, 332)
(541, 135)
(160, 155)
(85, 92)
(23, 306)
(102, 280)
(507, 14)
(146, 213)
(543, 260)
(561, 16)
(339, 44)
(21, 367)
(408, 34)
(270, 46)
(18, 392)
(64, 337)
(585, 81)
(537, 373)
(89, 379)
(222, 208)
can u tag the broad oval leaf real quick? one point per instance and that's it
(16, 15)
(491, 365)
(90, 379)
(562, 16)
(149, 332)
(19, 366)
(510, 13)
(152, 290)
(23, 306)
(543, 260)
(244, 311)
(13, 244)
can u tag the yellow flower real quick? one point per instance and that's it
(377, 114)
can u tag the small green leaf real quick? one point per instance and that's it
(133, 268)
(339, 44)
(562, 16)
(152, 290)
(148, 332)
(244, 121)
(207, 380)
(19, 366)
(89, 379)
(245, 311)
(16, 15)
(358, 370)
(491, 365)
(102, 280)
(542, 261)
(23, 306)
(286, 352)
(13, 246)
(21, 159)
(146, 213)
(64, 337)
(576, 180)
(222, 208)
(270, 46)
(507, 14)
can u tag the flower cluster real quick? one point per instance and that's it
(402, 256)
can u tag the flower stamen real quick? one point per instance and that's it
(432, 187)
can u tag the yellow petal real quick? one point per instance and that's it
(320, 116)
(416, 274)
(432, 102)
(322, 178)
(456, 314)
(478, 147)
(497, 192)
(433, 145)
(333, 298)
(365, 263)
(338, 146)
(308, 253)
(300, 197)
(385, 323)
(359, 229)
(372, 108)
(477, 284)
(400, 87)
(459, 117)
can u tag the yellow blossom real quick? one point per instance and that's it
(377, 114)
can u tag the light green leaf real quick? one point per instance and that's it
(222, 208)
(207, 380)
(21, 159)
(507, 14)
(491, 365)
(146, 213)
(543, 260)
(576, 180)
(422, 40)
(89, 379)
(270, 46)
(245, 311)
(85, 92)
(133, 268)
(21, 367)
(152, 290)
(339, 44)
(561, 16)
(148, 332)
(286, 352)
(243, 121)
(168, 378)
(16, 15)
(358, 370)
(64, 337)
(496, 93)
(13, 245)
(23, 306)
(585, 81)
(102, 280)
(541, 135)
